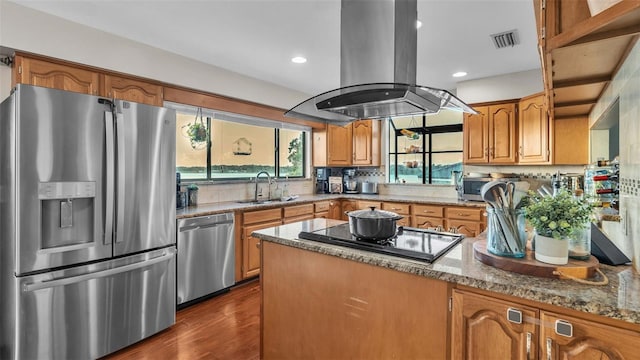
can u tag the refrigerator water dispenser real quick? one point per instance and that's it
(66, 214)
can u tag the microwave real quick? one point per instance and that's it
(471, 186)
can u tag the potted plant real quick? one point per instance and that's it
(555, 219)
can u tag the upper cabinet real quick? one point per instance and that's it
(490, 136)
(533, 130)
(580, 53)
(81, 79)
(53, 75)
(357, 144)
(132, 90)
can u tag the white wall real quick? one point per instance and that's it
(503, 87)
(626, 87)
(28, 30)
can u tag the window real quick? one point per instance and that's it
(222, 146)
(425, 149)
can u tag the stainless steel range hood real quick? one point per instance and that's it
(378, 51)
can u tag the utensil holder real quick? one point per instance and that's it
(506, 235)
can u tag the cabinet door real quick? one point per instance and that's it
(476, 137)
(571, 141)
(335, 210)
(486, 328)
(132, 90)
(339, 141)
(533, 128)
(251, 249)
(366, 143)
(364, 204)
(502, 133)
(587, 340)
(467, 228)
(55, 76)
(347, 205)
(425, 222)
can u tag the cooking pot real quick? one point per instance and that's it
(372, 224)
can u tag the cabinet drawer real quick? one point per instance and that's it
(365, 204)
(470, 214)
(257, 216)
(399, 208)
(290, 220)
(428, 210)
(467, 228)
(321, 206)
(298, 210)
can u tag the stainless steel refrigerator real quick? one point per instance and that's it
(87, 224)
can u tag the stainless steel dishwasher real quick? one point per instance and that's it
(206, 256)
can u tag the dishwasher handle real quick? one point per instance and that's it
(204, 226)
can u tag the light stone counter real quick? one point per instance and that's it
(620, 299)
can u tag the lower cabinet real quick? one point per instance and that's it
(335, 209)
(321, 209)
(401, 209)
(485, 327)
(565, 337)
(468, 221)
(346, 206)
(253, 221)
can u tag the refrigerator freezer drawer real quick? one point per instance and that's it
(93, 310)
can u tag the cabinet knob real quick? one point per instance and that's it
(258, 245)
(549, 346)
(564, 328)
(514, 315)
(462, 214)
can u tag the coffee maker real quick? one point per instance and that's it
(349, 183)
(322, 180)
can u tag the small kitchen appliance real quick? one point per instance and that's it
(368, 187)
(471, 186)
(411, 243)
(350, 184)
(322, 180)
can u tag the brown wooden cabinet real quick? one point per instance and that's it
(367, 204)
(571, 141)
(297, 213)
(534, 131)
(568, 338)
(132, 90)
(346, 206)
(427, 216)
(321, 209)
(366, 142)
(325, 307)
(56, 76)
(335, 209)
(253, 221)
(355, 144)
(402, 209)
(487, 328)
(468, 221)
(490, 136)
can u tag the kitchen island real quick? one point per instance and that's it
(337, 302)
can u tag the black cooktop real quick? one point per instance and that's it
(412, 243)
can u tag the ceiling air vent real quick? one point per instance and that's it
(504, 39)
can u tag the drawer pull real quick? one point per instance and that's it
(564, 328)
(528, 346)
(463, 214)
(549, 346)
(258, 245)
(428, 211)
(514, 315)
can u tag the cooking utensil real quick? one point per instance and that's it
(372, 224)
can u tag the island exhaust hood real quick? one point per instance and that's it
(378, 53)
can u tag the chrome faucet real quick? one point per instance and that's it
(255, 196)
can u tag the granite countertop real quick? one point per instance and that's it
(617, 300)
(222, 207)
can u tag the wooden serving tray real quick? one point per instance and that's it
(528, 265)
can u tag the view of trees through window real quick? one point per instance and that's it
(425, 150)
(235, 150)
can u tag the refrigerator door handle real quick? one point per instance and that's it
(121, 178)
(108, 218)
(98, 274)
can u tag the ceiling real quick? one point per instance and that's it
(258, 38)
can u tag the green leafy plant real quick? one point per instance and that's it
(557, 216)
(197, 131)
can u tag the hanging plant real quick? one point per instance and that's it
(197, 132)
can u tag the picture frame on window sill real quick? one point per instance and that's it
(335, 184)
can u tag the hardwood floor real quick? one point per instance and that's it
(224, 327)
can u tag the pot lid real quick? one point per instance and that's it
(372, 213)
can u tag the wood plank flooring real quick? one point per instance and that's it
(224, 327)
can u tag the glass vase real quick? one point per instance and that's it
(580, 243)
(506, 235)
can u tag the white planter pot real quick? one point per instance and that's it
(552, 251)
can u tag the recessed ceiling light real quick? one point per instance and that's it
(299, 60)
(459, 74)
(418, 24)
